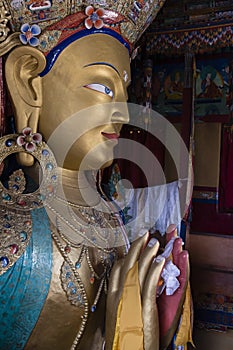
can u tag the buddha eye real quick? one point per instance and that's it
(101, 88)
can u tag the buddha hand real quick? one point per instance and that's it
(138, 309)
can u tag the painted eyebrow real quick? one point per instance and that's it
(102, 63)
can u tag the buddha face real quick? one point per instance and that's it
(84, 86)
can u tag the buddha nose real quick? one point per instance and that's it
(120, 113)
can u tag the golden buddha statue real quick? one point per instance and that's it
(67, 280)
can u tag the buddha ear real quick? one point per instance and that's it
(22, 69)
(23, 66)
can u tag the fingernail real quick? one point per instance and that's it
(159, 258)
(152, 242)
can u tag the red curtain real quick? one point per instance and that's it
(226, 172)
(129, 170)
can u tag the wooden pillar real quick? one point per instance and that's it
(188, 100)
(187, 125)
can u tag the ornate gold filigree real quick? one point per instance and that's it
(55, 18)
(15, 234)
(4, 18)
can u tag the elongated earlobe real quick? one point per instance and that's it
(23, 66)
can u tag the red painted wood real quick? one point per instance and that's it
(207, 219)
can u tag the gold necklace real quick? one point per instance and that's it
(71, 274)
(99, 226)
(72, 282)
(79, 232)
(90, 223)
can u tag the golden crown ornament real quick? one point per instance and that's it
(44, 24)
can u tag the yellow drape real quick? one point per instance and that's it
(184, 334)
(129, 325)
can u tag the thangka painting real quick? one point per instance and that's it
(212, 82)
(167, 89)
(212, 87)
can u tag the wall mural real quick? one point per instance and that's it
(211, 88)
(167, 88)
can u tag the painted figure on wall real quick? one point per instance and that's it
(212, 89)
(174, 85)
(209, 88)
(67, 266)
(167, 88)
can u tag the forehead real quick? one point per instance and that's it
(96, 49)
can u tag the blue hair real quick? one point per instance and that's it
(55, 52)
